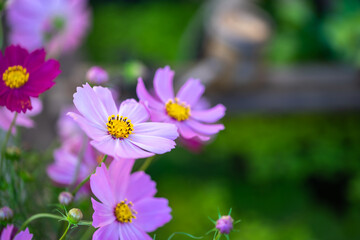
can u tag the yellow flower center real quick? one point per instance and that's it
(124, 212)
(177, 110)
(15, 76)
(119, 127)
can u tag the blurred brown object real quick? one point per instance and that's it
(236, 32)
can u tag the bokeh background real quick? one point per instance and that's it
(288, 162)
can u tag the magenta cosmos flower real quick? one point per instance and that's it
(123, 132)
(57, 25)
(23, 119)
(128, 208)
(9, 231)
(25, 75)
(182, 108)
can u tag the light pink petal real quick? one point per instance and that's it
(103, 214)
(188, 133)
(128, 150)
(152, 213)
(140, 186)
(205, 129)
(209, 116)
(163, 83)
(133, 232)
(134, 111)
(100, 184)
(24, 235)
(62, 171)
(120, 148)
(108, 232)
(91, 129)
(105, 94)
(90, 105)
(191, 91)
(159, 115)
(144, 95)
(158, 145)
(37, 107)
(6, 232)
(166, 130)
(120, 174)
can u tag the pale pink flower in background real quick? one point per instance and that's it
(63, 170)
(9, 231)
(23, 119)
(97, 75)
(71, 135)
(181, 109)
(120, 132)
(57, 25)
(127, 209)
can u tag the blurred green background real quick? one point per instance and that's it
(286, 176)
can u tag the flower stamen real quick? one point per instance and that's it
(119, 127)
(15, 76)
(177, 110)
(124, 212)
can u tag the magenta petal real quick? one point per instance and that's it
(134, 111)
(108, 232)
(158, 145)
(166, 130)
(152, 213)
(42, 78)
(100, 186)
(16, 101)
(35, 60)
(95, 132)
(24, 235)
(16, 55)
(103, 214)
(119, 175)
(191, 91)
(144, 95)
(140, 186)
(104, 94)
(209, 116)
(131, 231)
(206, 129)
(163, 84)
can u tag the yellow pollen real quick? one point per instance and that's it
(15, 76)
(177, 110)
(119, 127)
(124, 212)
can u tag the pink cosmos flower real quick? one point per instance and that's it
(23, 119)
(57, 25)
(25, 75)
(120, 132)
(97, 75)
(9, 231)
(128, 208)
(182, 108)
(63, 170)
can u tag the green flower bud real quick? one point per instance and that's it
(74, 216)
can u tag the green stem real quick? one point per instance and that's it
(146, 164)
(39, 215)
(66, 230)
(7, 137)
(87, 178)
(218, 236)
